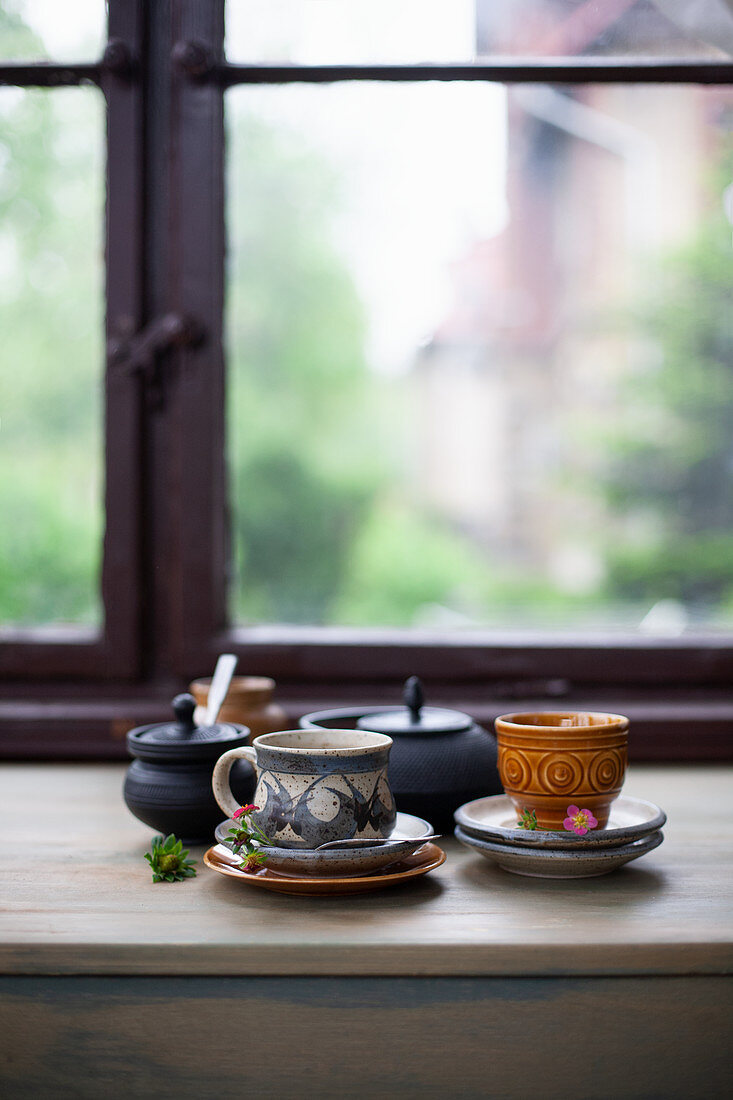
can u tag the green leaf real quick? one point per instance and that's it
(167, 860)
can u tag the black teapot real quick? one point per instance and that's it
(439, 758)
(168, 785)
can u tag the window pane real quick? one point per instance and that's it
(481, 356)
(352, 31)
(47, 30)
(51, 354)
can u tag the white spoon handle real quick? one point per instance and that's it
(219, 686)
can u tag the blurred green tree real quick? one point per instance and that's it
(304, 461)
(51, 217)
(669, 473)
(322, 533)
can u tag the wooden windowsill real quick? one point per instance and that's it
(78, 899)
(73, 721)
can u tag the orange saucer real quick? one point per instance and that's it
(419, 863)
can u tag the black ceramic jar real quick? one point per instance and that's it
(439, 758)
(168, 784)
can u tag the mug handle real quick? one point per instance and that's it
(220, 777)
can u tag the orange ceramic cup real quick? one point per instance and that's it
(549, 761)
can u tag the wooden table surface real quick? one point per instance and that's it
(77, 898)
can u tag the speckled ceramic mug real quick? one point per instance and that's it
(314, 786)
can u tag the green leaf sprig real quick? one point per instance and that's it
(528, 820)
(168, 860)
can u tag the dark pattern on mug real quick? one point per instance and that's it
(354, 811)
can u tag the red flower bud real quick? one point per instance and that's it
(244, 810)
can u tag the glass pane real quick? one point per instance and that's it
(314, 32)
(44, 30)
(481, 356)
(51, 354)
(325, 32)
(605, 28)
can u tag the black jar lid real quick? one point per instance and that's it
(182, 741)
(414, 718)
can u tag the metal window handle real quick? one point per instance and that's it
(160, 334)
(138, 353)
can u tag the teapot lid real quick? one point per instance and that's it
(414, 718)
(182, 740)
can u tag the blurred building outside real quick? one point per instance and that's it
(599, 180)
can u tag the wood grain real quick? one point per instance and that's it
(366, 1037)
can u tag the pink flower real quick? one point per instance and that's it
(579, 821)
(244, 810)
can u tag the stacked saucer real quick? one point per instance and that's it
(489, 826)
(409, 853)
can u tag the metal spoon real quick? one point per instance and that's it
(407, 845)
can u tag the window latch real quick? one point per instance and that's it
(118, 58)
(140, 354)
(193, 59)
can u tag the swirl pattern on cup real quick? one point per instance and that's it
(559, 773)
(606, 770)
(515, 770)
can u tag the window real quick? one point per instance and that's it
(56, 486)
(214, 480)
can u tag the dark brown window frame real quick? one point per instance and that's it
(164, 77)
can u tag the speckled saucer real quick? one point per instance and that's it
(549, 863)
(339, 861)
(421, 862)
(495, 819)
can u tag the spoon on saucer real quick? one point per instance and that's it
(408, 845)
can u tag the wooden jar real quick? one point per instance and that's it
(248, 702)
